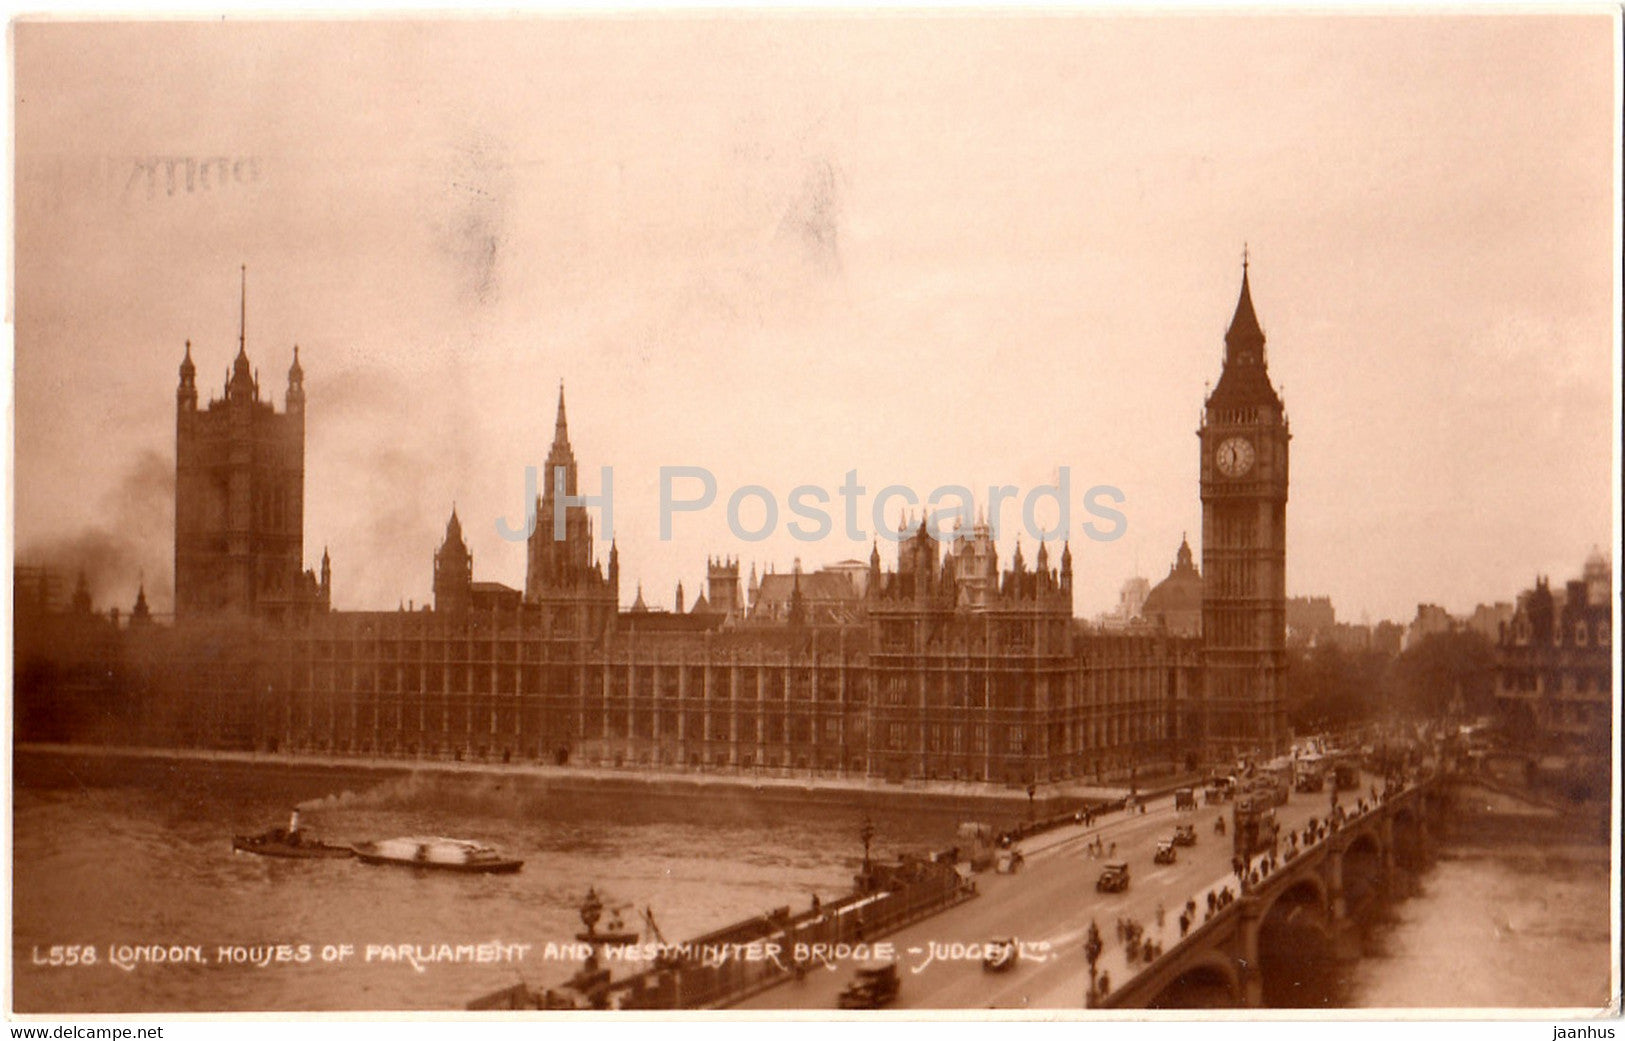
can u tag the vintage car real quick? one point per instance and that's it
(1113, 878)
(873, 986)
(1184, 799)
(1185, 835)
(1000, 954)
(1165, 854)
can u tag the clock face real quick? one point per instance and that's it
(1235, 456)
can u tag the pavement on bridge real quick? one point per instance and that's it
(1048, 907)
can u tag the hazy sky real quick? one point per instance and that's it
(935, 250)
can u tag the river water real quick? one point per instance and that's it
(1517, 927)
(121, 861)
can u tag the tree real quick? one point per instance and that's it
(1329, 688)
(1444, 671)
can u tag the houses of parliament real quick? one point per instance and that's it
(942, 663)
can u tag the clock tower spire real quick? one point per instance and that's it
(1244, 437)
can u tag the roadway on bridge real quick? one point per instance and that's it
(1048, 907)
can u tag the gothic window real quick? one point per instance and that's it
(1580, 635)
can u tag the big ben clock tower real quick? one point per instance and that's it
(1244, 439)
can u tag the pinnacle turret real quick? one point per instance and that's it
(296, 381)
(186, 393)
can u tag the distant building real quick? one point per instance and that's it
(1308, 619)
(1554, 664)
(1388, 638)
(1430, 619)
(1130, 609)
(1353, 639)
(1487, 620)
(1176, 602)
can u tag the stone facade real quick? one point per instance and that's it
(239, 497)
(1554, 665)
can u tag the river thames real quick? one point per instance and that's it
(136, 866)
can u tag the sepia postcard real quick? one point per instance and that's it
(824, 514)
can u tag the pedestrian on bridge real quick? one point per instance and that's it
(1161, 914)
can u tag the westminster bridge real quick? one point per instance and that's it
(1269, 939)
(1297, 921)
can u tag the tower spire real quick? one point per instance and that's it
(241, 384)
(1244, 332)
(1244, 381)
(561, 428)
(242, 316)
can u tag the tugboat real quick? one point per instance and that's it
(290, 843)
(442, 854)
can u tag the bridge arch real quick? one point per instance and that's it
(1209, 981)
(1367, 840)
(1296, 957)
(1364, 880)
(1310, 888)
